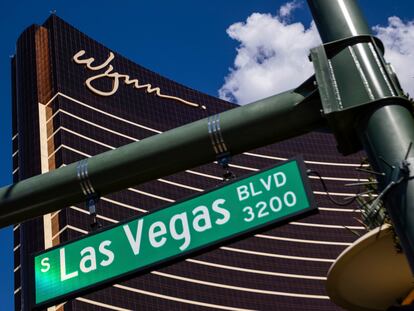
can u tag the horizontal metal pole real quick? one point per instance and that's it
(243, 128)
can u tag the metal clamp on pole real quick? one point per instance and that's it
(358, 59)
(223, 155)
(92, 197)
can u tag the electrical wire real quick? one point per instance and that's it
(345, 202)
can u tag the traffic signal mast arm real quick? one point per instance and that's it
(243, 128)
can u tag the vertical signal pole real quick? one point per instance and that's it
(366, 107)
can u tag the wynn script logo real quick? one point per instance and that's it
(116, 77)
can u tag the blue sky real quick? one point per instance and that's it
(187, 42)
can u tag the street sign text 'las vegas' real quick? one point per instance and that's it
(171, 233)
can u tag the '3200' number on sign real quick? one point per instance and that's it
(276, 204)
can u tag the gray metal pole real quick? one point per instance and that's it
(267, 121)
(386, 129)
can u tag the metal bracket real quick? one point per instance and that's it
(224, 160)
(336, 64)
(334, 47)
(92, 197)
(401, 171)
(91, 203)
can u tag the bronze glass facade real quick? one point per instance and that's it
(59, 118)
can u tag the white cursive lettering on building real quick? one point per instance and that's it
(117, 77)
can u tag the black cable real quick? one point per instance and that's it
(346, 202)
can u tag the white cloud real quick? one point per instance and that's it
(398, 39)
(286, 9)
(272, 56)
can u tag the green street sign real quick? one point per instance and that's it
(193, 225)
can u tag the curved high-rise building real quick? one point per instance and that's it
(68, 106)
